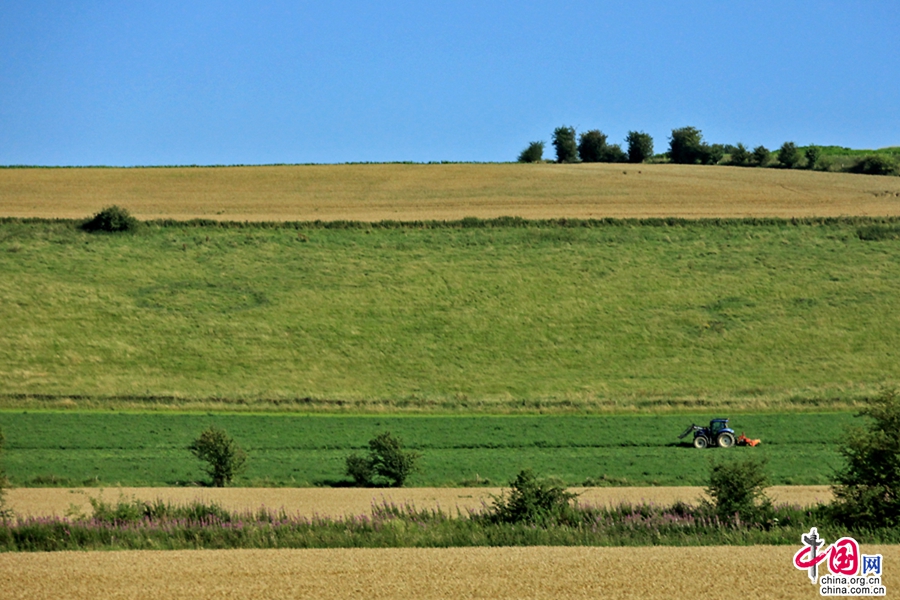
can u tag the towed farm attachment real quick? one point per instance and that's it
(717, 434)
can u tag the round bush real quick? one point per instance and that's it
(111, 219)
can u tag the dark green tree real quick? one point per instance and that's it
(789, 155)
(613, 153)
(640, 146)
(686, 146)
(564, 143)
(740, 156)
(711, 154)
(867, 489)
(760, 156)
(592, 146)
(813, 154)
(533, 153)
(223, 457)
(387, 463)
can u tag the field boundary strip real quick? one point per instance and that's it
(489, 223)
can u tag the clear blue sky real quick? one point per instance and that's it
(199, 82)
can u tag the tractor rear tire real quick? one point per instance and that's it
(701, 442)
(725, 440)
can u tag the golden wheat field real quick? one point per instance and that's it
(444, 192)
(755, 572)
(337, 502)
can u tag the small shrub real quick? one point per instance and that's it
(387, 463)
(112, 219)
(737, 488)
(867, 489)
(875, 164)
(789, 155)
(223, 457)
(564, 142)
(533, 153)
(640, 146)
(359, 468)
(535, 502)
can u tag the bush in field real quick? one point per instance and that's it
(867, 489)
(760, 156)
(387, 463)
(686, 146)
(875, 164)
(789, 155)
(812, 154)
(640, 146)
(592, 146)
(535, 502)
(564, 142)
(112, 219)
(737, 488)
(533, 153)
(223, 457)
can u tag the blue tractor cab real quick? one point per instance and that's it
(717, 434)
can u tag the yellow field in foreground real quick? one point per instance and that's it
(354, 501)
(444, 192)
(753, 573)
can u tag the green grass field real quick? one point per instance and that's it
(537, 318)
(136, 449)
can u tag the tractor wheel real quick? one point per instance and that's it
(701, 442)
(725, 440)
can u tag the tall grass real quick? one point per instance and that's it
(134, 525)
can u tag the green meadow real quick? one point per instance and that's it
(150, 449)
(493, 317)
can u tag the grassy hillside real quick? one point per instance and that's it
(420, 192)
(538, 317)
(151, 449)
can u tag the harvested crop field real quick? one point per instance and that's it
(531, 572)
(337, 502)
(405, 192)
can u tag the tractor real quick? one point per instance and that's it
(717, 434)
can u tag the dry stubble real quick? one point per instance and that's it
(337, 502)
(444, 192)
(535, 572)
